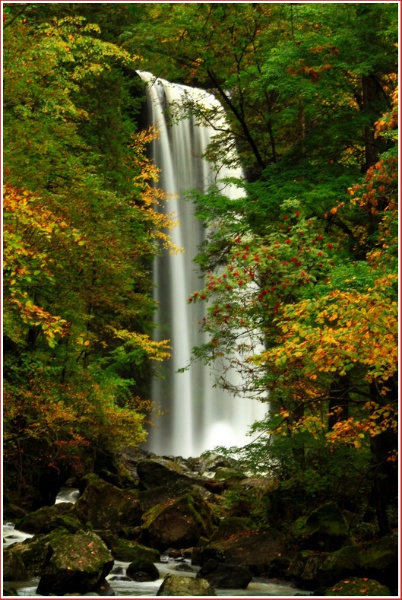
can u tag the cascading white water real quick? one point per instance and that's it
(197, 416)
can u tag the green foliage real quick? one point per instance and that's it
(300, 268)
(81, 230)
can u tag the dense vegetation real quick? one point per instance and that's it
(301, 269)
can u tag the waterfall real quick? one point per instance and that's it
(196, 416)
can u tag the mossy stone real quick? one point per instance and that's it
(358, 586)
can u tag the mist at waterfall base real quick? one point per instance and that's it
(196, 415)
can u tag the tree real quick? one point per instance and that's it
(302, 319)
(81, 229)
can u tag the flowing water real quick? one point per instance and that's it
(197, 415)
(122, 588)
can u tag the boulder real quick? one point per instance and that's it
(34, 552)
(104, 506)
(257, 550)
(77, 564)
(156, 472)
(338, 565)
(356, 586)
(325, 529)
(129, 551)
(311, 568)
(209, 462)
(48, 518)
(380, 560)
(225, 575)
(13, 566)
(142, 569)
(103, 588)
(229, 527)
(174, 585)
(126, 460)
(163, 494)
(177, 524)
(184, 568)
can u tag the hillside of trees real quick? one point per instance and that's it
(304, 261)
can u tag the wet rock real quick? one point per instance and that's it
(35, 551)
(210, 462)
(104, 506)
(177, 524)
(174, 585)
(184, 568)
(256, 550)
(156, 472)
(356, 586)
(380, 560)
(48, 518)
(225, 575)
(13, 566)
(229, 527)
(311, 568)
(77, 564)
(163, 494)
(126, 461)
(103, 588)
(142, 569)
(130, 551)
(343, 563)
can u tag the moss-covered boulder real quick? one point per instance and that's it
(341, 564)
(380, 560)
(325, 529)
(311, 568)
(357, 586)
(13, 566)
(48, 518)
(225, 575)
(229, 527)
(174, 585)
(156, 472)
(35, 551)
(163, 494)
(142, 569)
(129, 551)
(257, 550)
(177, 524)
(104, 506)
(77, 564)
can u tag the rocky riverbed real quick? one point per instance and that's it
(173, 527)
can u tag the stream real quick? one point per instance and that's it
(117, 578)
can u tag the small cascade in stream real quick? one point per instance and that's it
(197, 416)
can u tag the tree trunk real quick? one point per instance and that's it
(338, 398)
